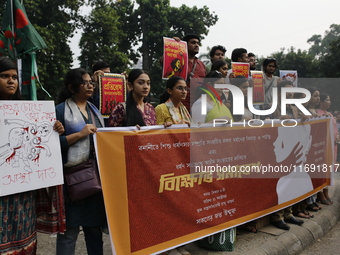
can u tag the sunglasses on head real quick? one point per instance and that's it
(268, 60)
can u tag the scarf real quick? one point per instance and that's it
(178, 116)
(78, 152)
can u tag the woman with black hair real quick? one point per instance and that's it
(18, 217)
(81, 120)
(221, 66)
(136, 111)
(324, 105)
(314, 101)
(171, 110)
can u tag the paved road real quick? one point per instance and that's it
(329, 244)
(46, 245)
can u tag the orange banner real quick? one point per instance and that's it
(164, 188)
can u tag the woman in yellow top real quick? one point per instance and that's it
(171, 110)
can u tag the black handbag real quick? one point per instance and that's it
(82, 180)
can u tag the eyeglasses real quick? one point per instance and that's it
(86, 84)
(181, 88)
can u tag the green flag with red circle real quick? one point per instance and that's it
(25, 36)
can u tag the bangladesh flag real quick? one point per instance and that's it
(26, 38)
(6, 42)
(26, 41)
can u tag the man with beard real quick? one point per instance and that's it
(196, 68)
(252, 61)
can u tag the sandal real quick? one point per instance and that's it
(317, 205)
(312, 207)
(301, 214)
(324, 201)
(329, 199)
(308, 213)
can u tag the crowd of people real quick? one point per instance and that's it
(78, 119)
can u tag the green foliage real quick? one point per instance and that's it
(298, 60)
(100, 39)
(321, 46)
(185, 20)
(157, 19)
(109, 35)
(329, 65)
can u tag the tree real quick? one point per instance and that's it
(101, 37)
(143, 23)
(299, 60)
(329, 65)
(56, 21)
(159, 20)
(321, 46)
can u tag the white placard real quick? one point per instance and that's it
(30, 155)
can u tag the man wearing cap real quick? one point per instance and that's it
(196, 68)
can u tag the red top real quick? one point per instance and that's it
(200, 72)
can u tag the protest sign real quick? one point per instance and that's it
(175, 59)
(289, 75)
(240, 68)
(112, 91)
(258, 87)
(30, 156)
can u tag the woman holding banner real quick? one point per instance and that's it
(171, 110)
(18, 211)
(81, 119)
(325, 103)
(136, 111)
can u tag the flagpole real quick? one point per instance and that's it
(13, 26)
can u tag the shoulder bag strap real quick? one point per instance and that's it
(270, 85)
(192, 71)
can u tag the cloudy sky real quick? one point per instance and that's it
(261, 26)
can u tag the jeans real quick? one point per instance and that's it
(66, 243)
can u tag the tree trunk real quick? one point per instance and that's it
(145, 45)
